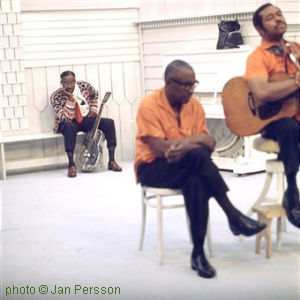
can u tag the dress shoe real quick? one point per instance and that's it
(246, 226)
(113, 166)
(72, 171)
(202, 266)
(293, 214)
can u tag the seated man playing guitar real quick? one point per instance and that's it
(75, 105)
(276, 55)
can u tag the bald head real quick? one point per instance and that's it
(174, 66)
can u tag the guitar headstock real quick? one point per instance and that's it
(106, 97)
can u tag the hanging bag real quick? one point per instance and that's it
(229, 35)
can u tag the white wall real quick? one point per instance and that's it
(165, 9)
(99, 42)
(196, 34)
(187, 33)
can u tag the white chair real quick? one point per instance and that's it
(153, 197)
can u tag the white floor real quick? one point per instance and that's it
(85, 230)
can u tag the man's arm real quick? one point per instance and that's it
(205, 140)
(63, 104)
(174, 150)
(265, 91)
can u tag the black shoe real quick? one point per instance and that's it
(202, 266)
(246, 226)
(293, 214)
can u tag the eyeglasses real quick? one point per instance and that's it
(187, 85)
(64, 83)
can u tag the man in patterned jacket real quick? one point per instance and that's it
(69, 120)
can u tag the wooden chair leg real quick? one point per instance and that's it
(278, 233)
(280, 187)
(258, 237)
(263, 193)
(268, 238)
(266, 233)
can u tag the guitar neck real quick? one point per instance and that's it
(97, 120)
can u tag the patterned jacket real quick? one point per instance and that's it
(65, 109)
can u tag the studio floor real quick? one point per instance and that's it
(79, 238)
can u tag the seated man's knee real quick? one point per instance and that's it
(67, 128)
(107, 124)
(110, 123)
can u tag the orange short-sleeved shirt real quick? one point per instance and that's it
(263, 63)
(156, 118)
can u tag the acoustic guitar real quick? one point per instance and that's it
(245, 116)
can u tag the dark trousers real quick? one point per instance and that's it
(70, 129)
(198, 178)
(286, 132)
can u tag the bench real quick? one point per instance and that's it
(37, 162)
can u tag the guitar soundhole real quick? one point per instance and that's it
(269, 110)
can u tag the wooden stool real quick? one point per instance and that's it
(273, 167)
(265, 214)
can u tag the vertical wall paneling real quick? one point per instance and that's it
(105, 82)
(13, 85)
(63, 68)
(34, 122)
(80, 72)
(131, 81)
(118, 89)
(52, 83)
(113, 112)
(96, 40)
(92, 76)
(40, 89)
(126, 130)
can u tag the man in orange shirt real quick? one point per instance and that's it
(173, 149)
(270, 58)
